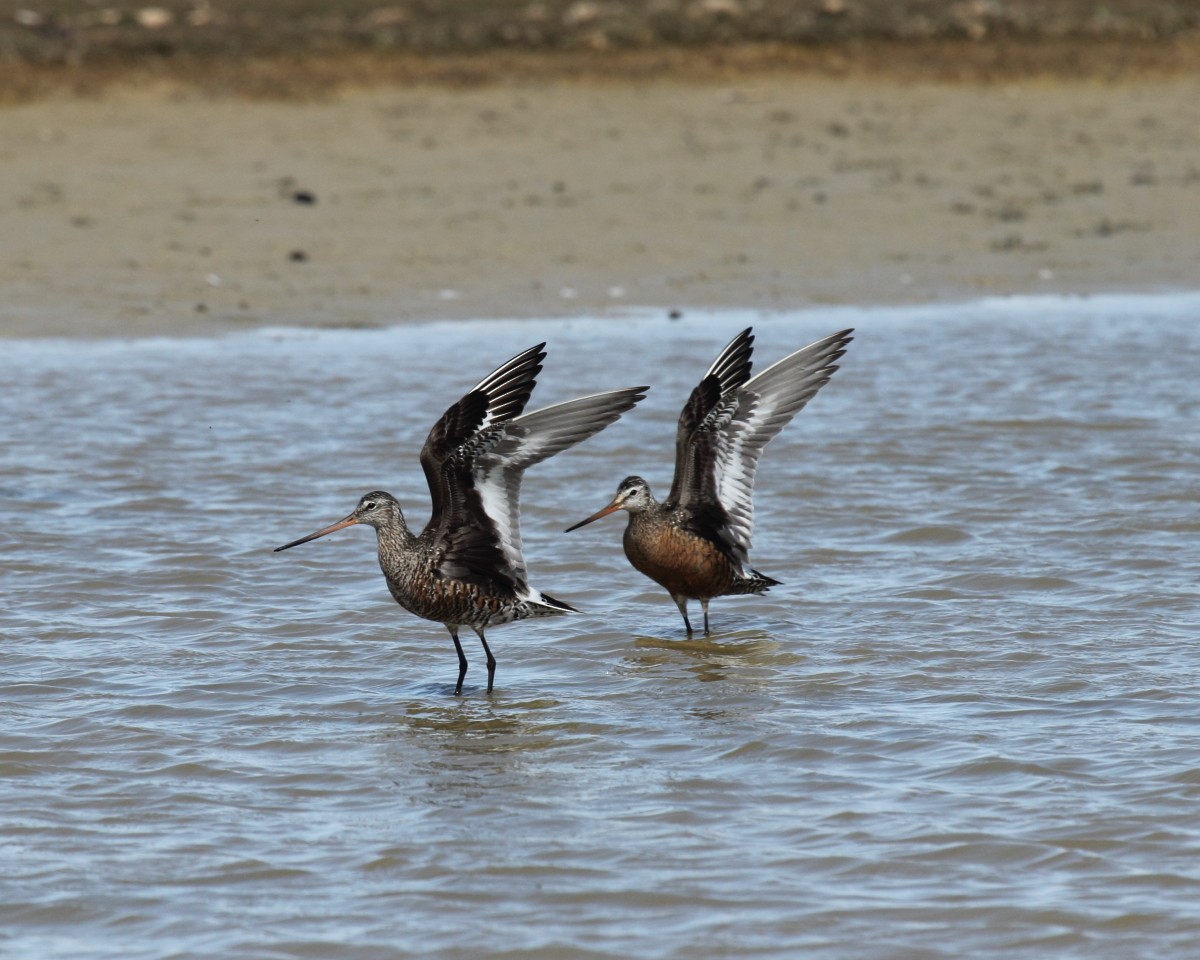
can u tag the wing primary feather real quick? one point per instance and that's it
(766, 404)
(509, 386)
(497, 398)
(713, 398)
(732, 366)
(530, 439)
(535, 436)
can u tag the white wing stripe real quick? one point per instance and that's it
(529, 439)
(765, 405)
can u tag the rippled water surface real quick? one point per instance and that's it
(968, 725)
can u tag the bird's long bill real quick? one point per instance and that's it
(332, 528)
(612, 507)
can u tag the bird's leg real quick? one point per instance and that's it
(462, 658)
(491, 661)
(681, 603)
(704, 607)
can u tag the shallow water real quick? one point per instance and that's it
(968, 725)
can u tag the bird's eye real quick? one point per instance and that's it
(369, 505)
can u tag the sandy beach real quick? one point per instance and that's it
(157, 209)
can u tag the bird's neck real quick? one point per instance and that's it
(394, 539)
(652, 507)
(643, 517)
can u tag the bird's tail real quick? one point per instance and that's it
(542, 605)
(754, 583)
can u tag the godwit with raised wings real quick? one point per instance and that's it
(697, 543)
(466, 567)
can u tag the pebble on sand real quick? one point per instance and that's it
(154, 18)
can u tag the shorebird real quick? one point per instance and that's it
(697, 542)
(466, 567)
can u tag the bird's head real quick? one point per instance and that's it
(376, 509)
(633, 494)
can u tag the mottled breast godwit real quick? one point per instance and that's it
(466, 567)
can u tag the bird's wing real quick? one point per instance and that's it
(702, 421)
(520, 443)
(466, 539)
(764, 406)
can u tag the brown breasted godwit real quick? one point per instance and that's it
(466, 567)
(697, 542)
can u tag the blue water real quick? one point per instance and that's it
(967, 725)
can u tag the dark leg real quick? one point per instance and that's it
(704, 607)
(462, 658)
(681, 603)
(491, 660)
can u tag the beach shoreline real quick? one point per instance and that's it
(161, 208)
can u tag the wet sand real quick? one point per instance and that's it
(161, 210)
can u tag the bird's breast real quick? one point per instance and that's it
(687, 565)
(421, 590)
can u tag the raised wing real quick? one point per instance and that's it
(702, 423)
(457, 521)
(764, 406)
(499, 397)
(519, 444)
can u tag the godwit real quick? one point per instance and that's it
(466, 567)
(697, 543)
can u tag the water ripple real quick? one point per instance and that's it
(965, 725)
